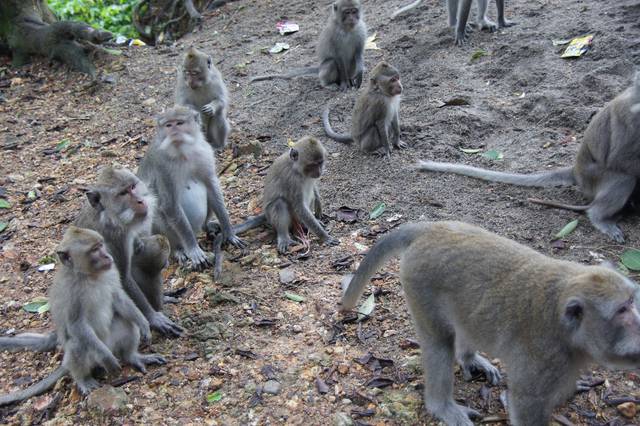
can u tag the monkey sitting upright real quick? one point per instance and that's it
(606, 168)
(340, 49)
(201, 87)
(375, 122)
(546, 319)
(96, 322)
(291, 193)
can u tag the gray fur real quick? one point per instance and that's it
(149, 260)
(468, 290)
(458, 12)
(605, 170)
(29, 341)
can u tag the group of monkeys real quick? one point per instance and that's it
(546, 319)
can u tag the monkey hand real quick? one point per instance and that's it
(110, 363)
(164, 325)
(461, 37)
(209, 109)
(145, 332)
(330, 241)
(401, 145)
(197, 257)
(382, 152)
(235, 241)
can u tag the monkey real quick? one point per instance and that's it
(179, 167)
(291, 193)
(149, 259)
(120, 207)
(340, 49)
(375, 121)
(605, 169)
(97, 324)
(469, 289)
(458, 11)
(201, 87)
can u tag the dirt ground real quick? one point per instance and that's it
(244, 333)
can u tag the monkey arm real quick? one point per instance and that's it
(213, 107)
(124, 306)
(215, 203)
(384, 135)
(306, 217)
(317, 203)
(80, 330)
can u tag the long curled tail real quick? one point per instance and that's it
(36, 389)
(329, 131)
(299, 72)
(384, 249)
(560, 177)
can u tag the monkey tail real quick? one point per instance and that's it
(41, 387)
(30, 341)
(298, 72)
(560, 177)
(329, 131)
(252, 222)
(384, 249)
(405, 8)
(560, 205)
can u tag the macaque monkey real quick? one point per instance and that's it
(97, 323)
(375, 122)
(546, 319)
(458, 11)
(201, 87)
(606, 168)
(120, 208)
(340, 49)
(291, 194)
(149, 259)
(180, 168)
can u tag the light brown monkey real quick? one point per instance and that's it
(546, 319)
(375, 122)
(179, 167)
(201, 87)
(120, 207)
(606, 168)
(150, 257)
(340, 49)
(291, 193)
(97, 323)
(458, 11)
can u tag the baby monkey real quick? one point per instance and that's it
(291, 194)
(468, 289)
(375, 122)
(200, 86)
(96, 322)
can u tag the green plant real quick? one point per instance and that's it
(111, 15)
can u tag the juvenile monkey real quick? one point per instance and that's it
(291, 193)
(375, 122)
(340, 49)
(97, 323)
(179, 167)
(458, 11)
(468, 289)
(149, 259)
(605, 170)
(201, 87)
(120, 208)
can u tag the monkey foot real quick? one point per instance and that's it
(401, 145)
(455, 414)
(461, 37)
(480, 365)
(86, 386)
(486, 24)
(505, 24)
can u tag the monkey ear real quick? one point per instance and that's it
(335, 6)
(94, 199)
(573, 311)
(64, 258)
(209, 62)
(293, 154)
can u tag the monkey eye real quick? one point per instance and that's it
(179, 122)
(167, 125)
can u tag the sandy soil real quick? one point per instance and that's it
(524, 101)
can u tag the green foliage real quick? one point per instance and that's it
(111, 15)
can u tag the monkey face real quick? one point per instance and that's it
(394, 86)
(314, 169)
(99, 258)
(350, 17)
(195, 78)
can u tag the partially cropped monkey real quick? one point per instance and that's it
(150, 257)
(120, 207)
(458, 11)
(546, 319)
(340, 49)
(179, 167)
(201, 87)
(375, 122)
(291, 193)
(606, 168)
(97, 323)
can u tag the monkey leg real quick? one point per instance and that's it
(371, 142)
(473, 363)
(527, 409)
(80, 365)
(612, 193)
(463, 30)
(217, 130)
(482, 22)
(502, 22)
(279, 217)
(330, 74)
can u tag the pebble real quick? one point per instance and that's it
(272, 387)
(627, 409)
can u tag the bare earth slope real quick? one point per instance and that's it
(524, 101)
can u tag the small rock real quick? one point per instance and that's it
(272, 387)
(149, 102)
(287, 276)
(389, 333)
(342, 419)
(627, 409)
(107, 400)
(297, 328)
(343, 368)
